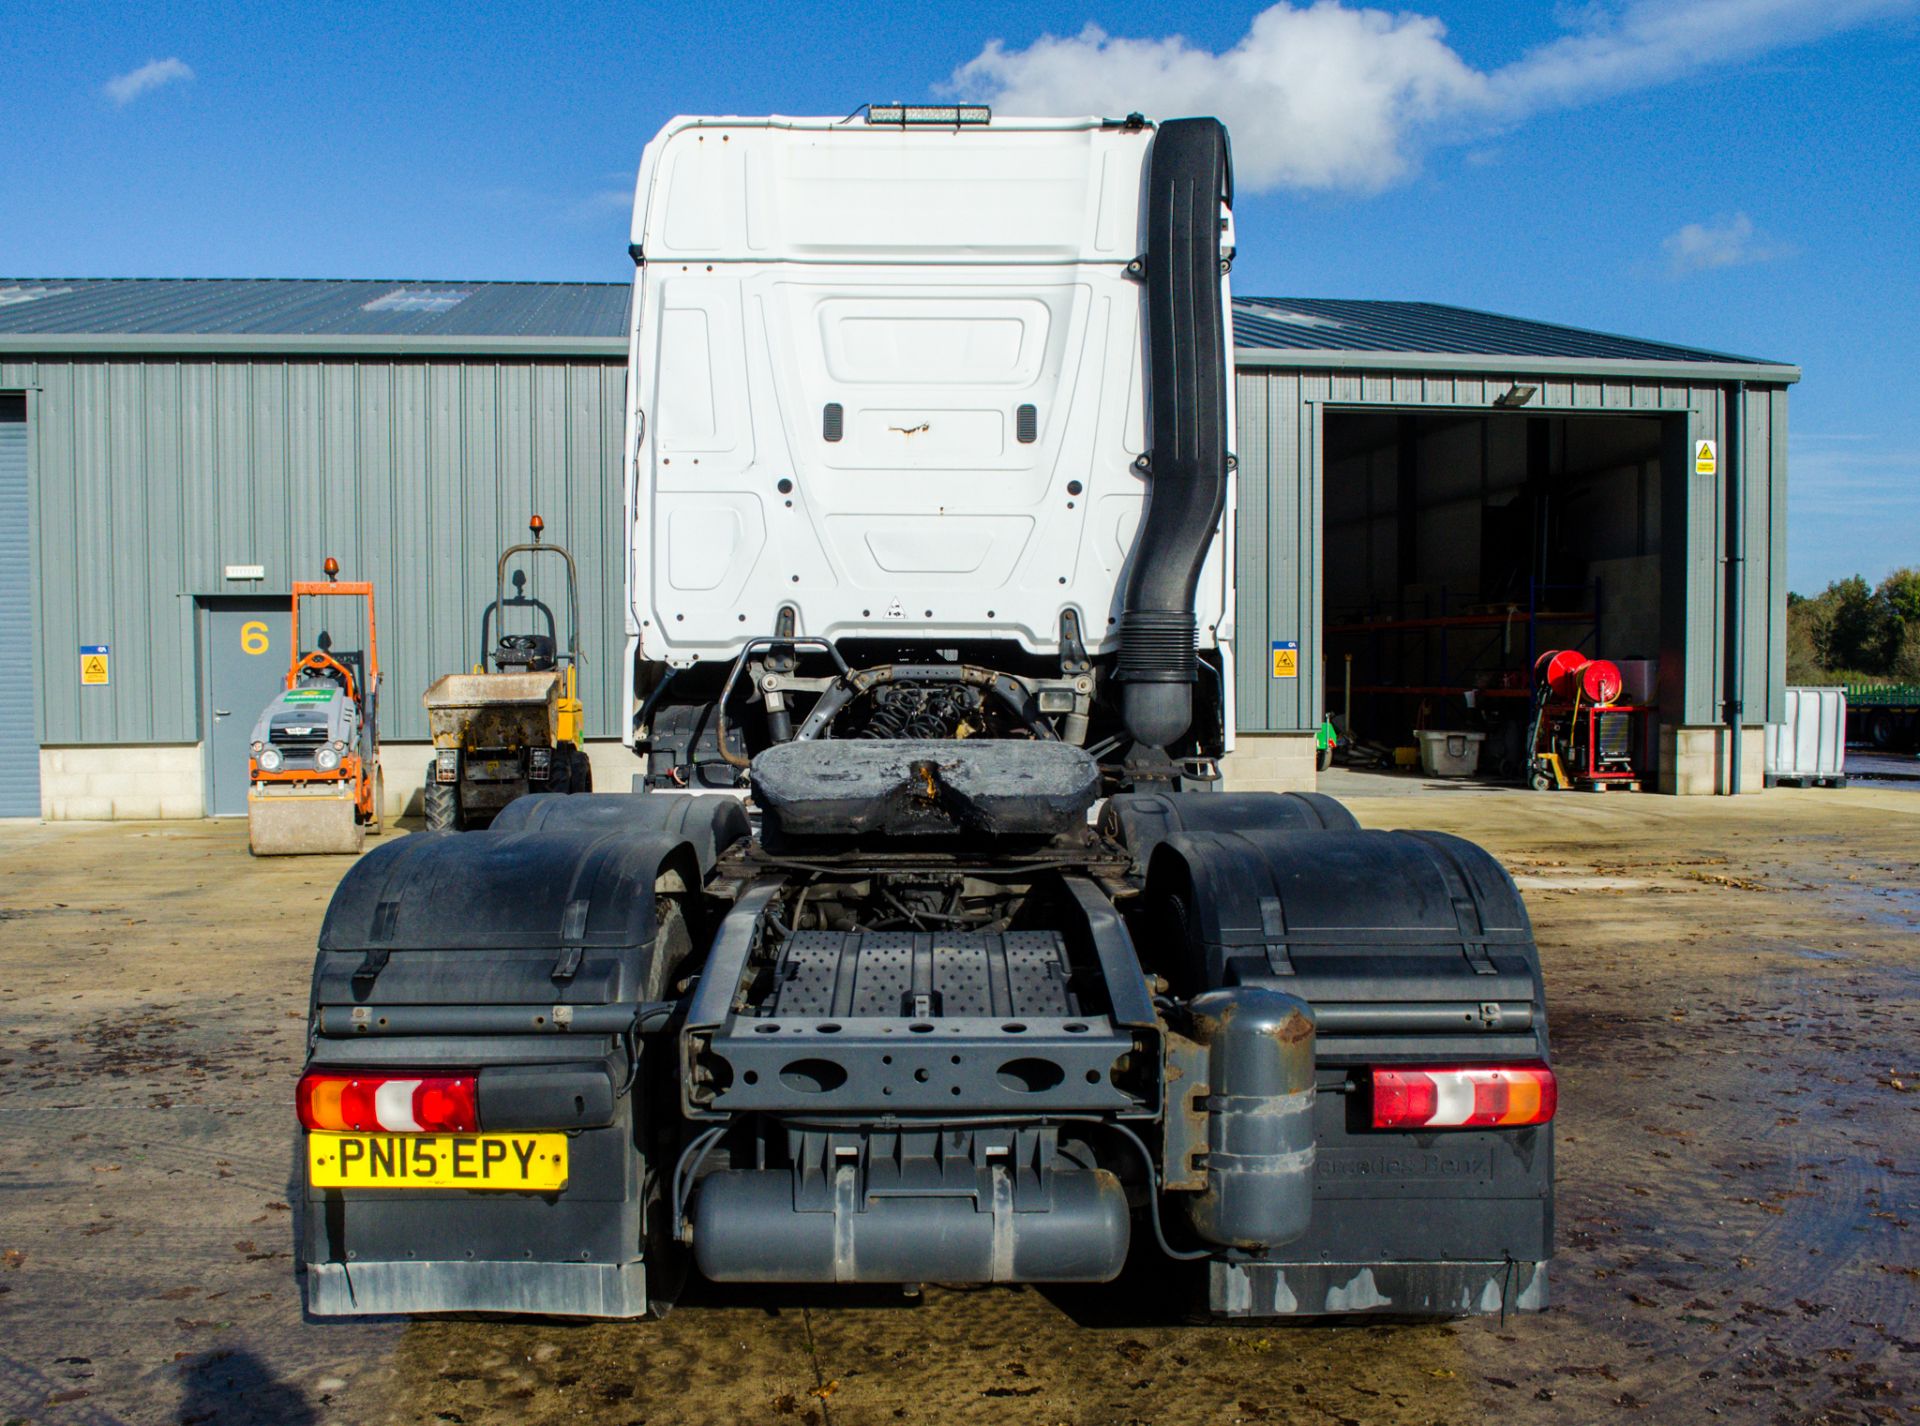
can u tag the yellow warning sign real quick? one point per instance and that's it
(94, 667)
(1706, 458)
(1286, 658)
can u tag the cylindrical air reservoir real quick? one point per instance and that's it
(1259, 1043)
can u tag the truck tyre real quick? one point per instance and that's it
(579, 771)
(378, 823)
(1880, 730)
(442, 804)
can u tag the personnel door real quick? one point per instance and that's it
(245, 655)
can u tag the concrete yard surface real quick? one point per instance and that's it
(1734, 988)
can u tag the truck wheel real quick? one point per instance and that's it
(579, 771)
(1880, 730)
(1323, 759)
(379, 822)
(1542, 782)
(442, 805)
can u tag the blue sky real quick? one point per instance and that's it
(1733, 174)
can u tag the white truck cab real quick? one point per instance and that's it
(890, 392)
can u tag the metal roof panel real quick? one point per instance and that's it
(306, 307)
(170, 312)
(1324, 324)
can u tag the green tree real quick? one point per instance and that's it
(1854, 636)
(1900, 592)
(1899, 599)
(1803, 640)
(1852, 630)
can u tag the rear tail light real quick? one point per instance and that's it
(1462, 1096)
(416, 1104)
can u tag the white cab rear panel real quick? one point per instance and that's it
(929, 283)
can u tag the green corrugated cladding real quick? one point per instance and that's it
(1279, 546)
(152, 475)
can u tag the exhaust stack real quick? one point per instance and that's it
(1189, 176)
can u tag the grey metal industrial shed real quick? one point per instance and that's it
(178, 432)
(1720, 568)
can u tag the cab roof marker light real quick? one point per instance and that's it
(388, 1104)
(1462, 1096)
(950, 115)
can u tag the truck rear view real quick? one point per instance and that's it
(926, 948)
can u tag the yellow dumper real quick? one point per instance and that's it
(515, 724)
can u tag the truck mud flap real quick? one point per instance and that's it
(1412, 948)
(1441, 1289)
(541, 1289)
(375, 1250)
(524, 959)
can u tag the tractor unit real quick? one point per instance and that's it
(926, 947)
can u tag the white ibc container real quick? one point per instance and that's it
(1450, 754)
(1812, 743)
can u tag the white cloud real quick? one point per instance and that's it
(1850, 510)
(1324, 96)
(1649, 42)
(601, 202)
(123, 89)
(1725, 242)
(1876, 482)
(1316, 98)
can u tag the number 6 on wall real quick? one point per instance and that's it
(253, 637)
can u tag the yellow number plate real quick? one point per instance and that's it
(523, 1161)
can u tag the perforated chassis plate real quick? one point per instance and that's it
(920, 1021)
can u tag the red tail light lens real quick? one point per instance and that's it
(1462, 1096)
(374, 1104)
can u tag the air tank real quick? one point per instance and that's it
(1260, 1046)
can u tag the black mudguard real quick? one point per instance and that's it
(521, 955)
(708, 824)
(1411, 948)
(1141, 821)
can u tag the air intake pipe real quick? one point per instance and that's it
(1189, 175)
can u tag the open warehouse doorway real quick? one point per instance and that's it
(1461, 546)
